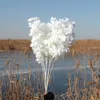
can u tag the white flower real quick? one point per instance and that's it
(52, 38)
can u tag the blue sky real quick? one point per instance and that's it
(14, 15)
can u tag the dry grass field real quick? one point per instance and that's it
(86, 47)
(80, 46)
(18, 45)
(77, 88)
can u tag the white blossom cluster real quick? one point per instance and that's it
(50, 39)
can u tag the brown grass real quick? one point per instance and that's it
(18, 45)
(86, 47)
(89, 91)
(18, 90)
(80, 46)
